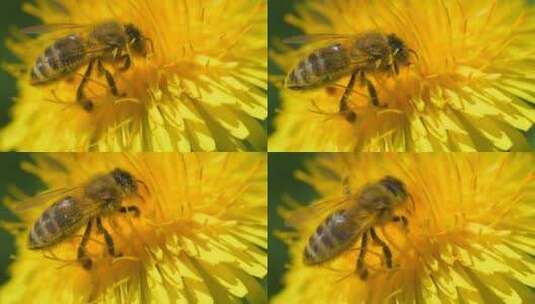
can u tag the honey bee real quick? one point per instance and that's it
(91, 44)
(83, 205)
(356, 55)
(374, 205)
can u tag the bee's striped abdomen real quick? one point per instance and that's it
(332, 237)
(55, 222)
(320, 67)
(63, 56)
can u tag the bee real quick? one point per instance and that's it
(80, 206)
(91, 45)
(356, 55)
(374, 205)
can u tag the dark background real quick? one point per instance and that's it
(11, 175)
(282, 167)
(11, 15)
(277, 28)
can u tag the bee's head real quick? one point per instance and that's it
(125, 180)
(396, 186)
(399, 49)
(136, 40)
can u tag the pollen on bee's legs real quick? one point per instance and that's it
(87, 105)
(331, 90)
(350, 116)
(83, 258)
(363, 273)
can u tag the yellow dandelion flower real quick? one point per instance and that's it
(470, 87)
(469, 238)
(200, 236)
(201, 87)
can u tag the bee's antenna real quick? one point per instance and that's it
(151, 44)
(139, 196)
(412, 203)
(144, 185)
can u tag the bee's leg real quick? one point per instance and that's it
(372, 92)
(119, 56)
(401, 219)
(344, 109)
(396, 67)
(126, 62)
(386, 250)
(109, 78)
(361, 268)
(127, 209)
(80, 96)
(107, 238)
(82, 255)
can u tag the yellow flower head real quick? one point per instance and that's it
(200, 236)
(470, 86)
(201, 87)
(469, 237)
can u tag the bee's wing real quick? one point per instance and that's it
(53, 27)
(315, 38)
(46, 197)
(318, 211)
(88, 207)
(50, 33)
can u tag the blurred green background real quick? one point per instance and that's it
(10, 15)
(11, 175)
(282, 167)
(279, 29)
